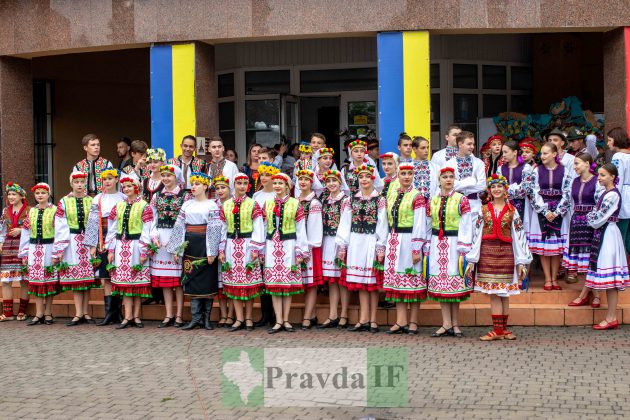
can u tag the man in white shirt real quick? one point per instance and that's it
(218, 165)
(470, 171)
(187, 162)
(441, 156)
(404, 147)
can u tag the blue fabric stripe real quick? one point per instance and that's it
(162, 98)
(391, 92)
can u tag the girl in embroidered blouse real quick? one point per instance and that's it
(500, 254)
(223, 193)
(242, 278)
(153, 183)
(165, 272)
(312, 272)
(577, 248)
(96, 230)
(332, 200)
(127, 242)
(361, 240)
(528, 152)
(550, 188)
(36, 252)
(286, 249)
(13, 217)
(451, 239)
(519, 177)
(71, 255)
(389, 162)
(403, 281)
(608, 268)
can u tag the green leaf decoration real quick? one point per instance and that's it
(411, 271)
(110, 267)
(96, 261)
(339, 263)
(225, 267)
(137, 268)
(378, 266)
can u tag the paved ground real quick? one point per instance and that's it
(89, 372)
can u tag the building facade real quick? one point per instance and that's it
(268, 71)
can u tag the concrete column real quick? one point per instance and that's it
(16, 122)
(616, 75)
(183, 94)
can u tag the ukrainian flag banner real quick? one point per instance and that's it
(404, 94)
(172, 96)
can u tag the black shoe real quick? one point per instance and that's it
(398, 330)
(309, 326)
(49, 321)
(275, 330)
(344, 325)
(329, 323)
(443, 333)
(35, 320)
(458, 334)
(138, 323)
(229, 321)
(450, 332)
(77, 320)
(249, 327)
(374, 330)
(178, 324)
(289, 328)
(360, 327)
(88, 320)
(412, 332)
(165, 324)
(386, 305)
(149, 301)
(234, 327)
(124, 324)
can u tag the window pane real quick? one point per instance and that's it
(494, 77)
(226, 85)
(465, 76)
(522, 104)
(275, 81)
(262, 122)
(493, 105)
(435, 108)
(338, 80)
(435, 76)
(228, 138)
(521, 78)
(465, 108)
(361, 117)
(226, 116)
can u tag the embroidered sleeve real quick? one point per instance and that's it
(177, 234)
(147, 214)
(475, 249)
(464, 206)
(464, 233)
(538, 204)
(315, 225)
(299, 215)
(91, 227)
(216, 232)
(25, 238)
(112, 213)
(345, 223)
(62, 231)
(604, 210)
(520, 246)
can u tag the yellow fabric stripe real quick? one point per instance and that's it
(416, 71)
(184, 120)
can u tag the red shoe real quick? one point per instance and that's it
(607, 326)
(556, 287)
(596, 303)
(548, 287)
(580, 302)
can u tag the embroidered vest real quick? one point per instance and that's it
(497, 227)
(445, 214)
(400, 211)
(100, 165)
(6, 215)
(364, 215)
(42, 225)
(77, 212)
(331, 215)
(130, 219)
(241, 224)
(168, 206)
(288, 211)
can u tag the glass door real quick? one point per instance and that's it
(262, 120)
(359, 114)
(289, 119)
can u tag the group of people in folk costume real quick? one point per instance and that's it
(439, 229)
